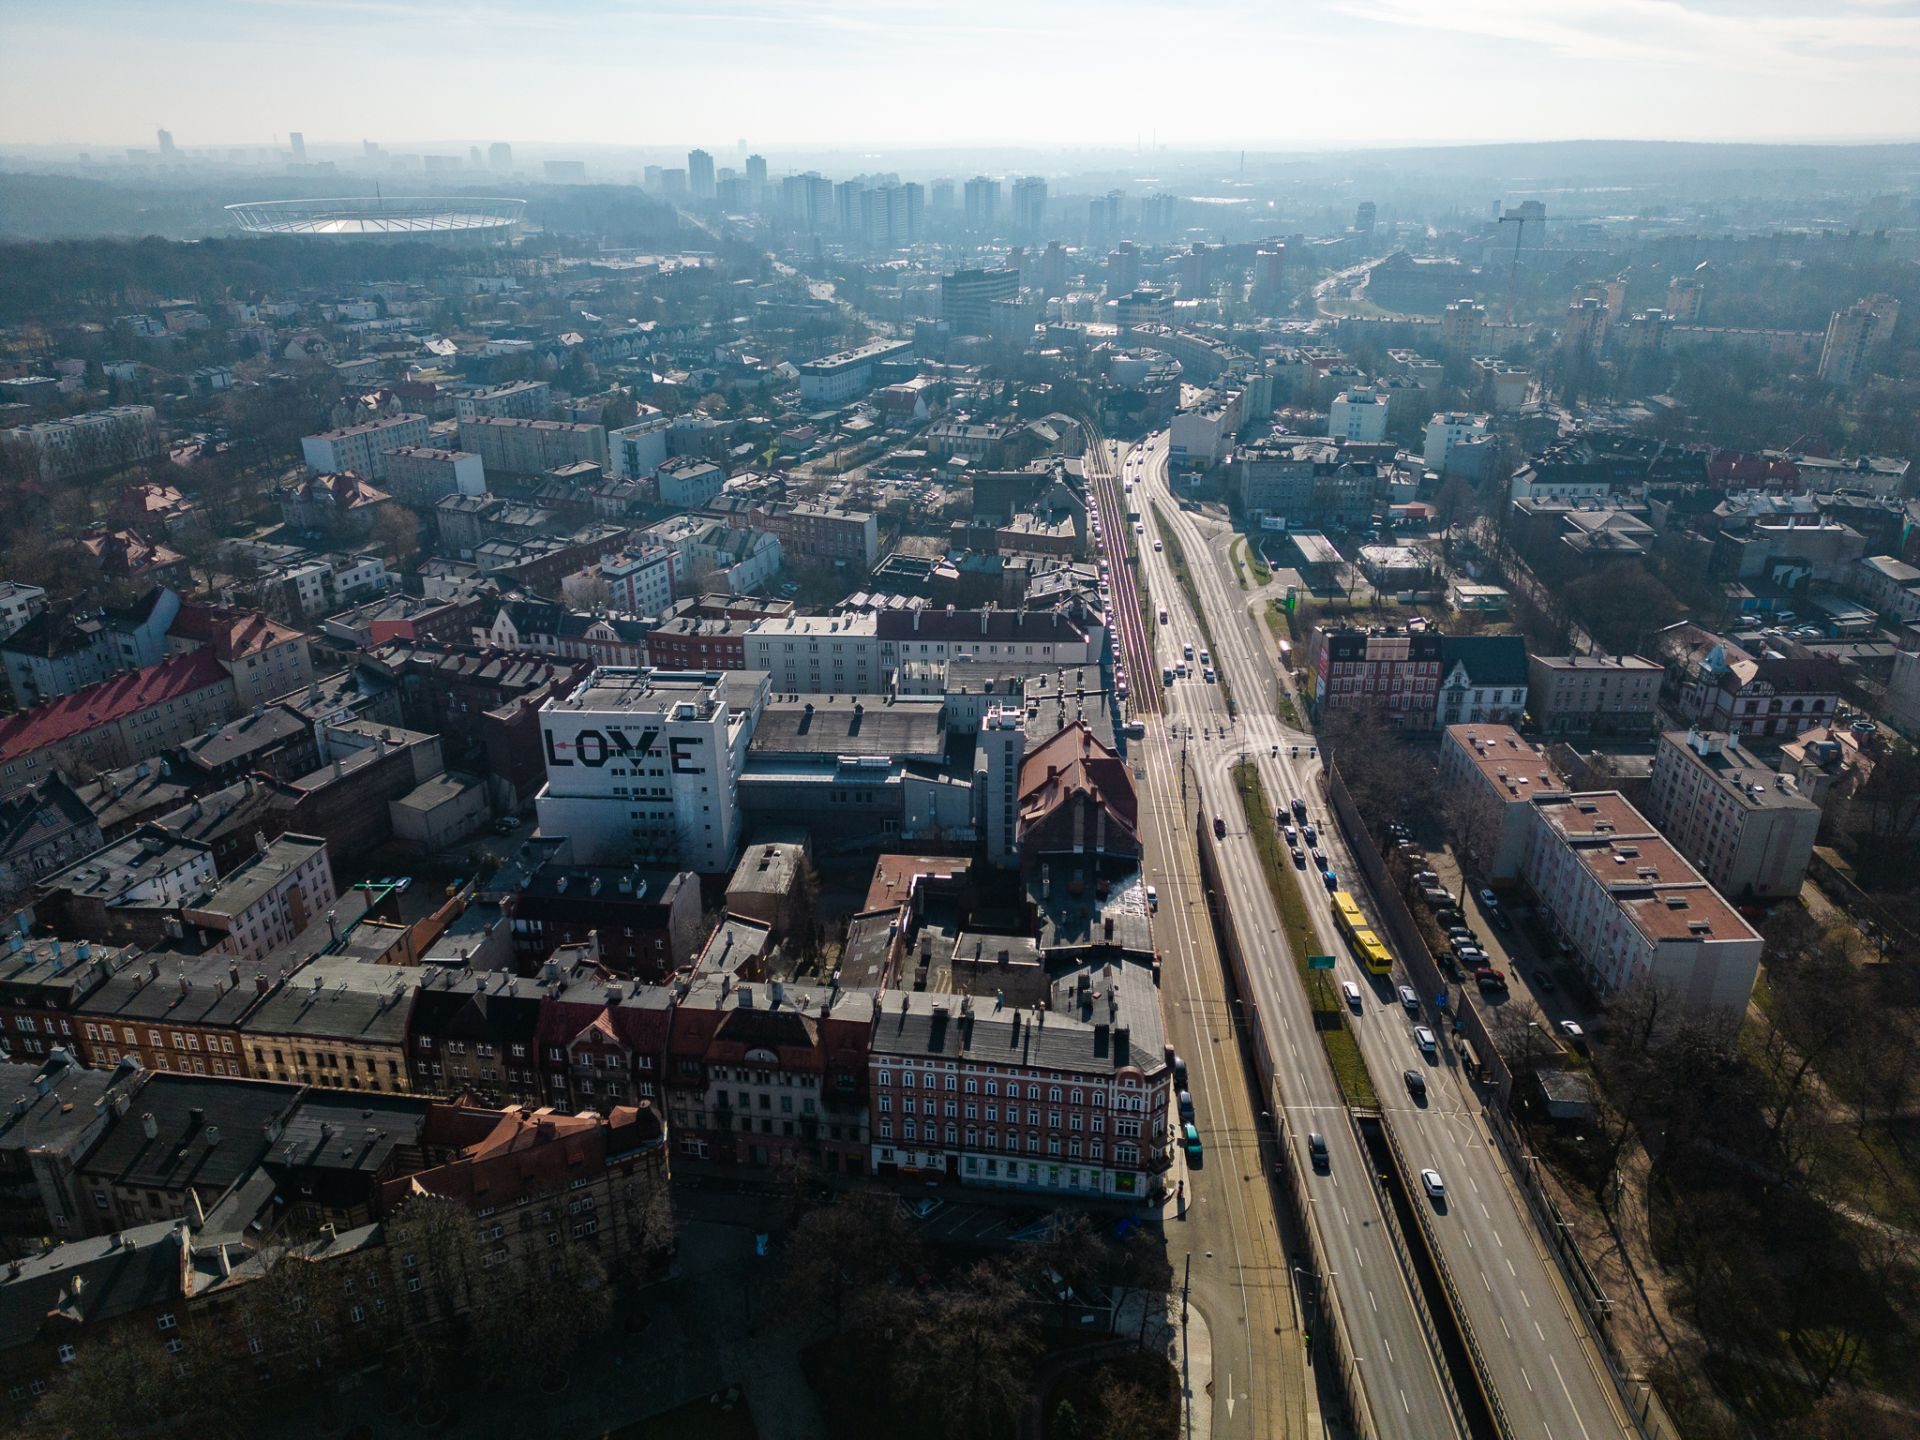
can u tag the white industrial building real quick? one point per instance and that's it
(643, 765)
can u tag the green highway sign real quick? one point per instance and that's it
(1319, 962)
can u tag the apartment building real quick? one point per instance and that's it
(766, 1075)
(687, 483)
(836, 379)
(172, 1011)
(1594, 694)
(108, 439)
(1065, 1095)
(818, 654)
(637, 580)
(362, 448)
(1632, 909)
(1749, 830)
(1483, 679)
(1495, 776)
(422, 474)
(338, 1021)
(264, 658)
(1061, 638)
(529, 447)
(1397, 672)
(518, 400)
(269, 900)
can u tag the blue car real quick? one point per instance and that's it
(1332, 880)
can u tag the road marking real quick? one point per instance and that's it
(1538, 1331)
(1403, 1403)
(1511, 1271)
(1527, 1378)
(1484, 1281)
(1373, 1302)
(1389, 1344)
(1503, 1328)
(1569, 1394)
(1523, 1296)
(1498, 1241)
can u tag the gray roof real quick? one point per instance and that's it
(851, 725)
(89, 1280)
(254, 880)
(56, 1118)
(249, 735)
(145, 855)
(340, 998)
(209, 990)
(209, 1131)
(1070, 1038)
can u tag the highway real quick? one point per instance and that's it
(1540, 1361)
(1407, 1397)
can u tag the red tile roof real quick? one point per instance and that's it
(110, 700)
(1072, 761)
(229, 634)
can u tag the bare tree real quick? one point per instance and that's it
(843, 1256)
(963, 1355)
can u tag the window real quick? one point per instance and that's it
(176, 1345)
(66, 1355)
(167, 1322)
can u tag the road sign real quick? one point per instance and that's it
(1319, 962)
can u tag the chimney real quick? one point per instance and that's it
(1122, 1045)
(213, 1135)
(149, 1126)
(260, 984)
(777, 992)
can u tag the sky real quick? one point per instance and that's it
(1310, 74)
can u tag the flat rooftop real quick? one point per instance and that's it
(865, 725)
(642, 689)
(1508, 762)
(1756, 786)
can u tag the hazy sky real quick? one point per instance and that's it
(917, 72)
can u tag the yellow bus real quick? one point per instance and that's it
(1367, 946)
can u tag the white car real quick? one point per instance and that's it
(1423, 1037)
(1431, 1182)
(1571, 1029)
(1409, 999)
(1352, 992)
(1158, 546)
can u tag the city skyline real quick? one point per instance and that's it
(1351, 73)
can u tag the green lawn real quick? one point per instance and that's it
(1283, 883)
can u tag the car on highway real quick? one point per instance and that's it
(1163, 614)
(1319, 860)
(1299, 808)
(1423, 1037)
(1158, 546)
(1317, 1150)
(1210, 675)
(1352, 992)
(1410, 999)
(1286, 828)
(1431, 1182)
(1186, 651)
(1153, 899)
(1206, 657)
(1299, 858)
(1220, 827)
(1331, 880)
(1308, 832)
(1416, 1084)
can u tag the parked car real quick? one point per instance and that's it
(1543, 980)
(1186, 1105)
(1190, 1138)
(1490, 900)
(1153, 899)
(1573, 1031)
(1416, 1084)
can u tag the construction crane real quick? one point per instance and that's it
(1528, 210)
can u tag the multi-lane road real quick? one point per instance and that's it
(1539, 1360)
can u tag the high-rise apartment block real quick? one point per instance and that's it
(363, 448)
(700, 174)
(500, 157)
(983, 203)
(1029, 204)
(1853, 334)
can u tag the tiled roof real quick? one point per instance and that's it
(70, 715)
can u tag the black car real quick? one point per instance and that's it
(1317, 1149)
(1299, 859)
(1543, 980)
(1416, 1084)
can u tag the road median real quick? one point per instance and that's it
(1329, 1016)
